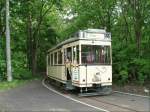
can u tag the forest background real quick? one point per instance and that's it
(37, 25)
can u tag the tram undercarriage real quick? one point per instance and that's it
(95, 90)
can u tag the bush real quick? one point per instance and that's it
(128, 66)
(19, 67)
(2, 66)
(123, 76)
(22, 73)
(141, 68)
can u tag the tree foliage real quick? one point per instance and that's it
(37, 25)
(128, 21)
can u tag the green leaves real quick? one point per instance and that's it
(123, 76)
(2, 68)
(142, 69)
(52, 21)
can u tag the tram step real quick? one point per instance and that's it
(69, 86)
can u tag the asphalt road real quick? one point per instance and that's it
(35, 97)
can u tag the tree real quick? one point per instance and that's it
(2, 23)
(128, 21)
(8, 51)
(37, 11)
(37, 25)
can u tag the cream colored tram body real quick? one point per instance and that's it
(83, 61)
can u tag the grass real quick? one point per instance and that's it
(5, 85)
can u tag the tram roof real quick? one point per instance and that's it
(64, 42)
(79, 36)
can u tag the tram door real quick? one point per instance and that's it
(68, 61)
(71, 68)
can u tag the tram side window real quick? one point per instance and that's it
(55, 58)
(69, 54)
(59, 57)
(51, 59)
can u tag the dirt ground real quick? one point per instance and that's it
(134, 88)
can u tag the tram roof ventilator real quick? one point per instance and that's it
(96, 34)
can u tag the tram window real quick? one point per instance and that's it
(104, 55)
(51, 59)
(86, 54)
(69, 54)
(55, 58)
(65, 55)
(95, 54)
(59, 57)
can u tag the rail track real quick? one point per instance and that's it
(122, 108)
(99, 101)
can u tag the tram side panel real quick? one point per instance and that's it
(57, 73)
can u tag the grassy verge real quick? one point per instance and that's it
(4, 85)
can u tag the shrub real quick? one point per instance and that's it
(123, 76)
(2, 66)
(141, 68)
(19, 66)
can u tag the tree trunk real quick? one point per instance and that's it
(138, 40)
(34, 62)
(8, 52)
(29, 41)
(138, 30)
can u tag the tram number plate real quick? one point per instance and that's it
(75, 74)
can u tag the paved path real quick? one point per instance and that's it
(34, 97)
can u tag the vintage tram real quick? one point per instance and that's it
(83, 62)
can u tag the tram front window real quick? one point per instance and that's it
(95, 54)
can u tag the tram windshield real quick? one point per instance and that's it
(95, 54)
